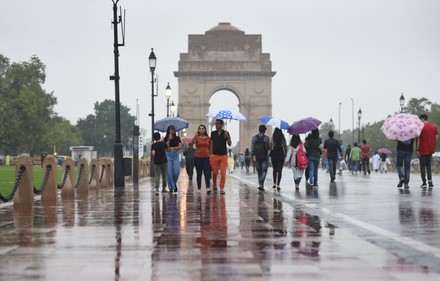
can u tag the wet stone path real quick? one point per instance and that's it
(134, 234)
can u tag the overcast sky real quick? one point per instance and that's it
(325, 52)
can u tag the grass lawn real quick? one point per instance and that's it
(7, 178)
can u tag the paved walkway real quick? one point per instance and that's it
(133, 234)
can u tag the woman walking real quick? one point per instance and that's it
(247, 160)
(174, 145)
(277, 155)
(294, 147)
(201, 156)
(312, 144)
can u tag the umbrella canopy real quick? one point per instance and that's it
(402, 127)
(384, 150)
(303, 126)
(226, 114)
(163, 124)
(275, 122)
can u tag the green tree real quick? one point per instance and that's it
(98, 130)
(26, 108)
(62, 135)
(417, 106)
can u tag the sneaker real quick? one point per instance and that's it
(424, 185)
(278, 188)
(214, 188)
(222, 191)
(165, 189)
(274, 186)
(406, 186)
(208, 190)
(156, 190)
(261, 187)
(175, 191)
(430, 184)
(400, 183)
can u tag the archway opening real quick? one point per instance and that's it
(225, 99)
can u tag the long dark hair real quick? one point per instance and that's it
(169, 132)
(277, 137)
(295, 141)
(247, 152)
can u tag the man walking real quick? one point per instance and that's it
(425, 145)
(333, 147)
(219, 155)
(365, 157)
(260, 147)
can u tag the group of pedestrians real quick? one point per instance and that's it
(209, 155)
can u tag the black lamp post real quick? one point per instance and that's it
(119, 178)
(402, 102)
(168, 93)
(359, 125)
(152, 63)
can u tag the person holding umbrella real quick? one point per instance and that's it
(174, 145)
(404, 155)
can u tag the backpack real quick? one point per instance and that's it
(260, 149)
(301, 158)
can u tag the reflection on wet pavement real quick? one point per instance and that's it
(133, 234)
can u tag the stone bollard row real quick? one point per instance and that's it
(102, 176)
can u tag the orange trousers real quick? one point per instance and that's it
(219, 161)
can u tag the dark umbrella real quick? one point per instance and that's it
(303, 126)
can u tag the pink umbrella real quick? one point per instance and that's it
(402, 127)
(384, 150)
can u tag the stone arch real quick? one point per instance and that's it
(225, 58)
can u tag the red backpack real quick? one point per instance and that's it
(301, 158)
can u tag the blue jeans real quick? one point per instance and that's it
(332, 167)
(313, 169)
(203, 167)
(404, 165)
(261, 167)
(173, 169)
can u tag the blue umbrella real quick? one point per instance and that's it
(226, 114)
(163, 124)
(275, 122)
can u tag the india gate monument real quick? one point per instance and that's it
(225, 58)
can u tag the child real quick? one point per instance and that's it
(189, 161)
(160, 161)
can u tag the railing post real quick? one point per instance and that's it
(83, 177)
(103, 169)
(68, 190)
(95, 177)
(50, 192)
(24, 196)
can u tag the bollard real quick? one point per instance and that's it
(82, 182)
(94, 174)
(24, 196)
(110, 171)
(50, 192)
(68, 190)
(103, 178)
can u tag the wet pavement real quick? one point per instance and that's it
(360, 227)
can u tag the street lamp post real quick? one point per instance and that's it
(173, 108)
(331, 124)
(339, 121)
(402, 102)
(359, 125)
(119, 178)
(168, 93)
(152, 63)
(352, 121)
